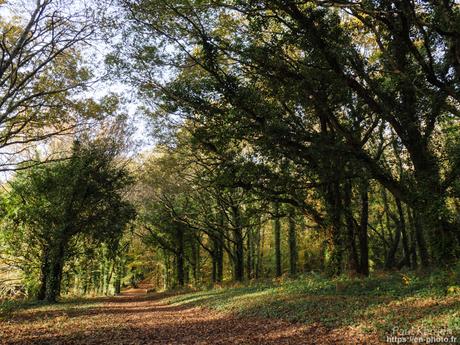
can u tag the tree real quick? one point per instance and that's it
(277, 237)
(60, 201)
(42, 75)
(292, 240)
(326, 86)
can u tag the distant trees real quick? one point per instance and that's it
(185, 211)
(52, 205)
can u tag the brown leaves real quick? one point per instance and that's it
(139, 319)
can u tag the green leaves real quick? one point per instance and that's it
(53, 203)
(42, 73)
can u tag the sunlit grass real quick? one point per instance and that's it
(378, 304)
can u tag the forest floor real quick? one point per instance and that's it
(137, 318)
(275, 312)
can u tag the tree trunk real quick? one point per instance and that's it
(431, 211)
(195, 247)
(118, 264)
(44, 269)
(103, 269)
(239, 255)
(413, 239)
(218, 252)
(363, 225)
(53, 284)
(87, 284)
(390, 260)
(422, 248)
(239, 244)
(180, 272)
(402, 223)
(259, 251)
(351, 227)
(217, 259)
(336, 244)
(250, 254)
(167, 270)
(220, 266)
(293, 255)
(277, 238)
(111, 270)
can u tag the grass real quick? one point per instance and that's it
(384, 304)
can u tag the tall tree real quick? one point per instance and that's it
(79, 196)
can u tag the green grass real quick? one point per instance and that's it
(430, 303)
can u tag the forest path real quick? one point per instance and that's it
(138, 318)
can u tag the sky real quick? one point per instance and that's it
(94, 54)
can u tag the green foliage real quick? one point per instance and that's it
(43, 79)
(51, 208)
(293, 100)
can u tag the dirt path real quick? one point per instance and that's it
(136, 318)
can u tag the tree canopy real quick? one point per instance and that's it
(288, 137)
